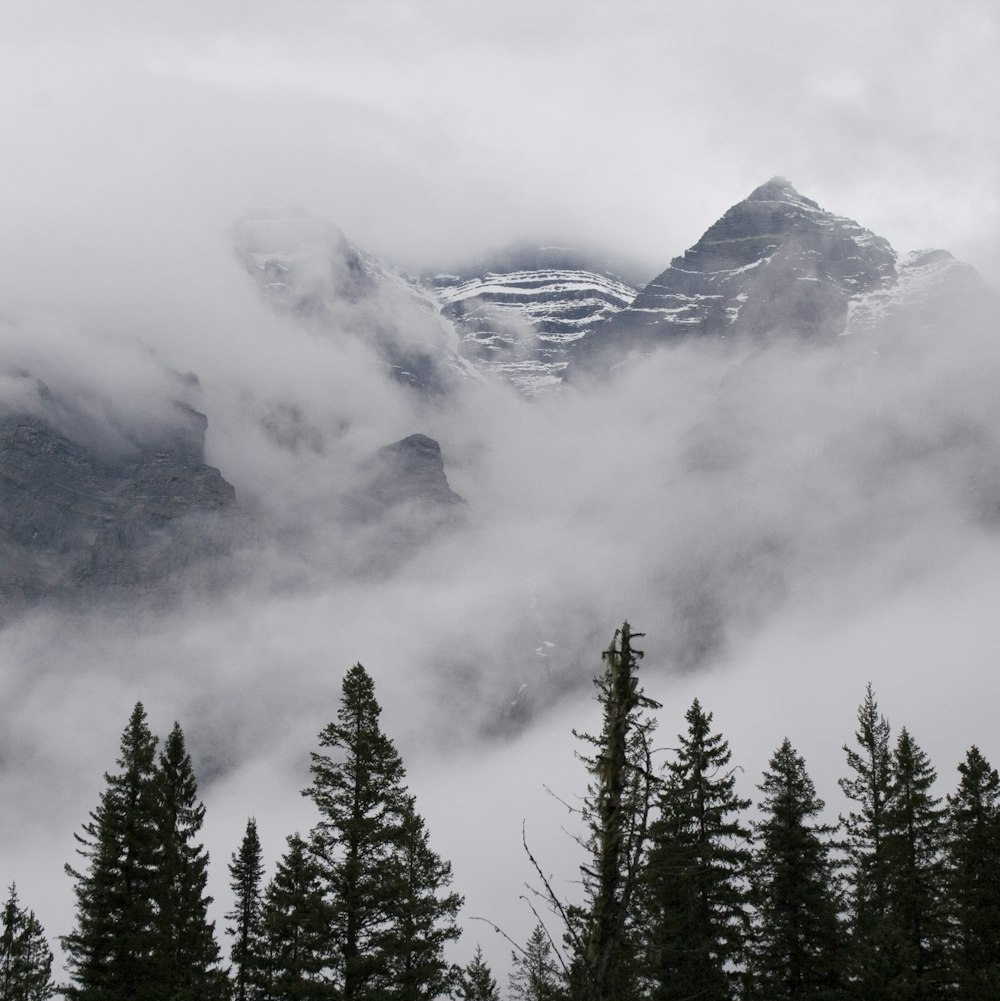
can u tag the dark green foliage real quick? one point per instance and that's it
(874, 946)
(359, 791)
(973, 878)
(797, 950)
(476, 982)
(534, 975)
(695, 894)
(246, 870)
(421, 915)
(25, 956)
(295, 928)
(616, 812)
(914, 848)
(189, 955)
(389, 912)
(114, 953)
(142, 927)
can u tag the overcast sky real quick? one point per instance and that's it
(849, 526)
(429, 129)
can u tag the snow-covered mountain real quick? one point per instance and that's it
(521, 314)
(125, 499)
(777, 264)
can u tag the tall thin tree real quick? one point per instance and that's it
(246, 872)
(616, 812)
(25, 956)
(695, 894)
(386, 890)
(114, 952)
(973, 878)
(797, 950)
(189, 953)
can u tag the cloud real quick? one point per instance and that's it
(784, 526)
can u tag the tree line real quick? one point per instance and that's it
(683, 895)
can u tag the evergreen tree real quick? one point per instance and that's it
(246, 870)
(877, 964)
(616, 812)
(797, 949)
(534, 976)
(914, 848)
(114, 953)
(25, 956)
(421, 915)
(385, 888)
(476, 982)
(695, 895)
(296, 940)
(189, 954)
(973, 878)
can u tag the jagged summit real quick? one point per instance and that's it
(774, 264)
(779, 189)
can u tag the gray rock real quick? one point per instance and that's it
(410, 471)
(521, 313)
(75, 519)
(775, 264)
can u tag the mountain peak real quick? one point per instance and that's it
(780, 189)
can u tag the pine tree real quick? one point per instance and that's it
(246, 870)
(914, 849)
(973, 878)
(695, 894)
(114, 953)
(189, 954)
(295, 920)
(386, 889)
(476, 982)
(616, 812)
(25, 956)
(534, 976)
(421, 915)
(797, 949)
(877, 965)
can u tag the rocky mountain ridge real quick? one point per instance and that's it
(77, 515)
(519, 319)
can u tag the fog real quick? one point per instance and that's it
(785, 525)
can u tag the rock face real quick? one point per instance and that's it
(73, 517)
(521, 314)
(307, 267)
(410, 470)
(775, 264)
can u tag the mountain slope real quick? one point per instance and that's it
(307, 267)
(521, 314)
(776, 263)
(76, 513)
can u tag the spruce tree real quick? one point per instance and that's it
(534, 975)
(973, 879)
(877, 965)
(616, 812)
(914, 849)
(189, 954)
(389, 908)
(25, 956)
(246, 871)
(115, 951)
(476, 982)
(295, 929)
(421, 916)
(797, 951)
(695, 893)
